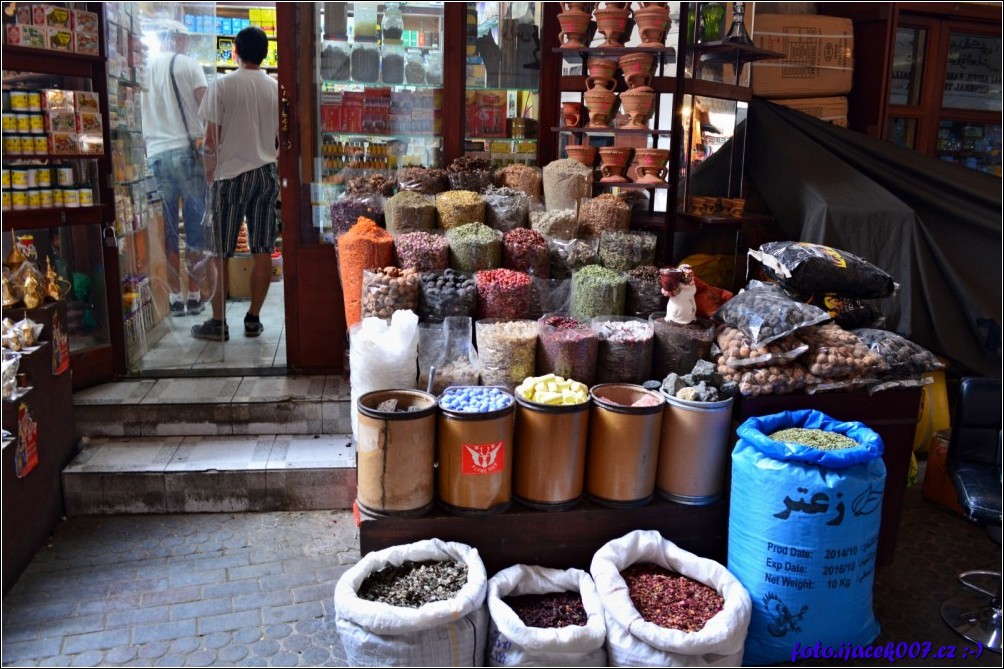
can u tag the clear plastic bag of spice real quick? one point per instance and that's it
(644, 293)
(506, 208)
(597, 291)
(504, 293)
(622, 250)
(459, 207)
(335, 61)
(603, 212)
(449, 347)
(555, 224)
(408, 211)
(474, 247)
(567, 256)
(677, 347)
(625, 350)
(552, 296)
(346, 211)
(507, 351)
(387, 290)
(526, 250)
(523, 178)
(422, 251)
(365, 62)
(446, 293)
(566, 347)
(425, 180)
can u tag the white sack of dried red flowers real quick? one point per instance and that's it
(634, 642)
(448, 633)
(513, 643)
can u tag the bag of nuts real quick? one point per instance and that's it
(837, 353)
(738, 351)
(446, 293)
(765, 313)
(387, 290)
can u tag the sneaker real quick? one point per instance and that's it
(177, 308)
(195, 307)
(253, 328)
(213, 330)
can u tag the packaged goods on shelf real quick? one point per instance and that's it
(54, 99)
(52, 16)
(60, 121)
(34, 37)
(819, 56)
(85, 23)
(62, 143)
(85, 101)
(87, 122)
(59, 39)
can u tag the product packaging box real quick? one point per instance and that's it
(86, 44)
(832, 110)
(819, 56)
(55, 99)
(59, 121)
(239, 277)
(59, 39)
(91, 144)
(352, 112)
(25, 35)
(88, 122)
(53, 17)
(62, 143)
(84, 101)
(190, 22)
(85, 23)
(23, 15)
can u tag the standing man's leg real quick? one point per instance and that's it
(262, 191)
(227, 215)
(162, 168)
(193, 191)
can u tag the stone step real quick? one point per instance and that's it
(199, 474)
(215, 406)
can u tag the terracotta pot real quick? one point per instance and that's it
(651, 165)
(573, 29)
(599, 102)
(653, 24)
(638, 105)
(614, 159)
(575, 7)
(571, 114)
(583, 153)
(637, 69)
(612, 22)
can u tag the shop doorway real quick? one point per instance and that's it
(177, 265)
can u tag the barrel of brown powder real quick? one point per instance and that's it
(623, 444)
(550, 454)
(475, 460)
(395, 454)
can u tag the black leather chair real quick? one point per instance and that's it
(974, 463)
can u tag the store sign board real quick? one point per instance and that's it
(973, 74)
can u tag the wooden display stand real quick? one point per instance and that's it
(32, 505)
(558, 539)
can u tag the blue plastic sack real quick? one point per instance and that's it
(803, 533)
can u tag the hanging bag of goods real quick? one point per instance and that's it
(419, 604)
(803, 530)
(811, 269)
(643, 579)
(545, 618)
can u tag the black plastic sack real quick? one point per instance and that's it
(813, 268)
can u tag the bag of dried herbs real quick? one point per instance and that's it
(803, 530)
(597, 291)
(566, 181)
(546, 618)
(506, 208)
(694, 613)
(419, 604)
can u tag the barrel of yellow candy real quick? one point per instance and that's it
(552, 424)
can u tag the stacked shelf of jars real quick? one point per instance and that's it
(601, 99)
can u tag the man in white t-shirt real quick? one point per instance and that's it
(241, 111)
(174, 132)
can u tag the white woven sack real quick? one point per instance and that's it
(512, 644)
(631, 641)
(449, 633)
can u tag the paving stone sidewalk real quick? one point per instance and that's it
(252, 589)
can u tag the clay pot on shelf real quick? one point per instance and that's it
(573, 29)
(653, 24)
(637, 69)
(584, 153)
(651, 165)
(572, 7)
(600, 73)
(571, 114)
(637, 104)
(600, 103)
(612, 22)
(614, 159)
(734, 206)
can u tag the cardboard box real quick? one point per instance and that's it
(88, 122)
(938, 486)
(85, 23)
(24, 35)
(87, 44)
(53, 17)
(819, 56)
(59, 39)
(62, 143)
(85, 101)
(832, 110)
(239, 277)
(59, 121)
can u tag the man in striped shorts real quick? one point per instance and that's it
(241, 110)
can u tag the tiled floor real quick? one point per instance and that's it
(178, 350)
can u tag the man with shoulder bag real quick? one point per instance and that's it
(174, 135)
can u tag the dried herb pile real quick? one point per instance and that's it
(414, 584)
(671, 600)
(819, 439)
(556, 609)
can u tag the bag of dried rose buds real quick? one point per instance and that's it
(665, 607)
(544, 617)
(418, 604)
(803, 530)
